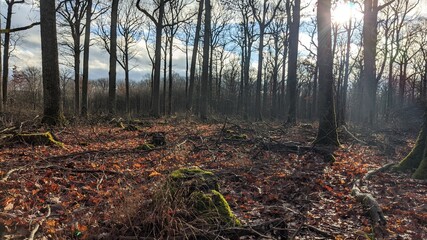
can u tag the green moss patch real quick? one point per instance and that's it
(198, 190)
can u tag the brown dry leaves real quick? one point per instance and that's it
(101, 166)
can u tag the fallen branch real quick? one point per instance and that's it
(370, 205)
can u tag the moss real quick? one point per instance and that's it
(199, 190)
(238, 137)
(413, 159)
(146, 147)
(213, 207)
(421, 172)
(39, 139)
(224, 209)
(190, 172)
(193, 179)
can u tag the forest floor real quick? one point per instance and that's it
(71, 192)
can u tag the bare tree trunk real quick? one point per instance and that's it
(170, 74)
(1, 85)
(274, 108)
(77, 52)
(165, 65)
(52, 112)
(258, 109)
(85, 82)
(6, 49)
(327, 132)
(194, 57)
(206, 44)
(346, 76)
(292, 64)
(113, 59)
(126, 65)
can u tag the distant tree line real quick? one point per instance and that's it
(254, 59)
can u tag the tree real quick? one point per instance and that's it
(327, 132)
(113, 58)
(72, 14)
(155, 108)
(52, 113)
(6, 52)
(30, 79)
(173, 21)
(369, 81)
(194, 57)
(205, 64)
(417, 158)
(292, 63)
(86, 59)
(263, 23)
(129, 30)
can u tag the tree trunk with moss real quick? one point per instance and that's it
(417, 158)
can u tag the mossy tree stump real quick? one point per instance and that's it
(45, 138)
(199, 191)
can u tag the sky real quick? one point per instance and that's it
(28, 50)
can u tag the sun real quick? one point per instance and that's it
(344, 11)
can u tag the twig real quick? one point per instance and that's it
(297, 231)
(319, 231)
(36, 228)
(4, 179)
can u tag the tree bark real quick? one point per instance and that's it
(6, 53)
(417, 158)
(327, 132)
(1, 85)
(205, 76)
(85, 82)
(52, 112)
(113, 58)
(292, 63)
(369, 80)
(194, 57)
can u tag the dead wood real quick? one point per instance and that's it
(371, 205)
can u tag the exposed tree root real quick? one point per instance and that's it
(384, 168)
(352, 135)
(326, 152)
